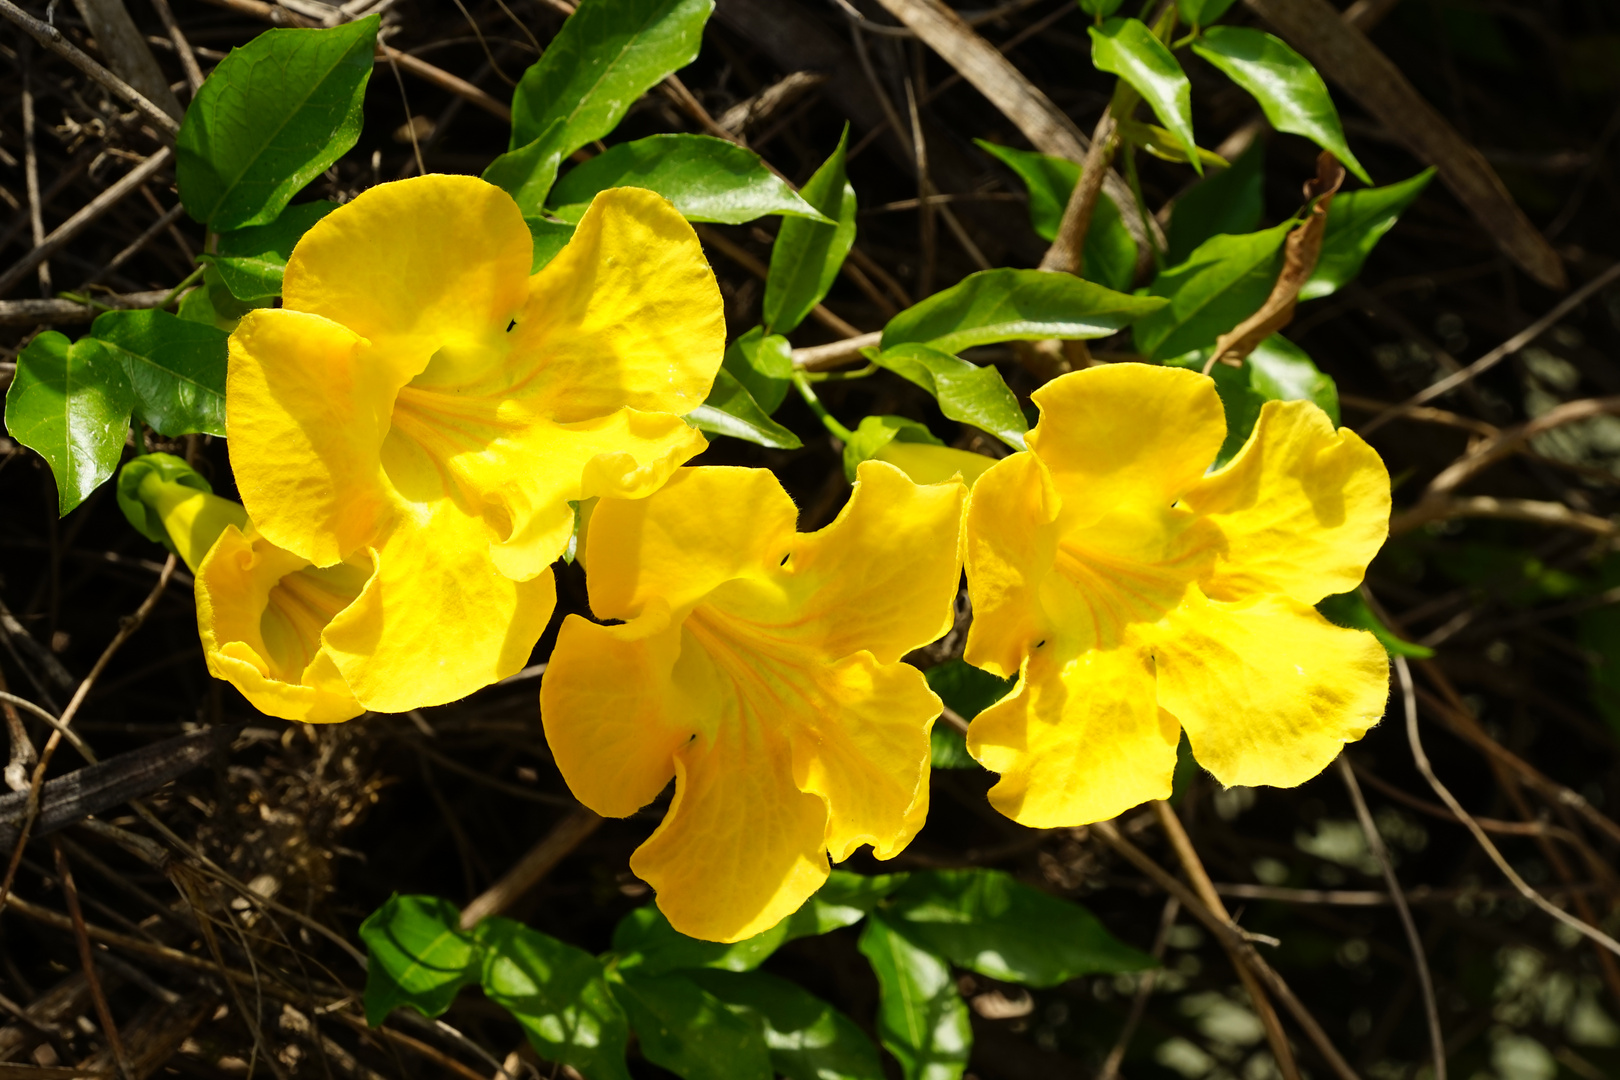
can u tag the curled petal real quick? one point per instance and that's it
(436, 621)
(1126, 436)
(1011, 544)
(1268, 690)
(261, 612)
(1080, 738)
(1303, 508)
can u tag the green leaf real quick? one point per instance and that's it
(1015, 305)
(1228, 202)
(1128, 49)
(921, 1019)
(1100, 8)
(989, 922)
(607, 54)
(251, 261)
(527, 172)
(419, 954)
(731, 410)
(212, 304)
(875, 432)
(649, 945)
(966, 691)
(967, 393)
(70, 404)
(1202, 12)
(176, 368)
(550, 237)
(690, 1032)
(1109, 256)
(1290, 92)
(808, 1038)
(1223, 282)
(1357, 220)
(1351, 611)
(763, 363)
(273, 115)
(707, 179)
(1164, 146)
(558, 994)
(807, 254)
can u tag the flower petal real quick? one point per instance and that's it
(883, 576)
(704, 527)
(1126, 436)
(1300, 687)
(1079, 740)
(606, 702)
(1011, 541)
(443, 260)
(307, 407)
(628, 314)
(437, 620)
(260, 613)
(928, 464)
(1304, 508)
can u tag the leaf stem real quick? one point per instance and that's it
(826, 418)
(191, 279)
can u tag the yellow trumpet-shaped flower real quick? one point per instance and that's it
(760, 669)
(261, 611)
(423, 405)
(1136, 597)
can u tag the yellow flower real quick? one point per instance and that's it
(1135, 596)
(261, 611)
(760, 668)
(422, 405)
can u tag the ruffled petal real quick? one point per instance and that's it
(434, 261)
(1011, 543)
(437, 620)
(608, 707)
(1124, 436)
(628, 314)
(1303, 508)
(260, 613)
(1268, 691)
(307, 408)
(704, 527)
(1080, 739)
(883, 576)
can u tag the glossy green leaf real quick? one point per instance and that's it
(989, 922)
(419, 956)
(1231, 202)
(527, 172)
(1357, 220)
(731, 410)
(607, 54)
(1128, 49)
(1202, 12)
(558, 994)
(1100, 8)
(707, 179)
(967, 393)
(176, 368)
(875, 432)
(251, 261)
(1290, 92)
(275, 114)
(69, 402)
(764, 364)
(966, 691)
(690, 1032)
(550, 237)
(1223, 282)
(212, 304)
(807, 254)
(1277, 370)
(1015, 305)
(1352, 611)
(808, 1038)
(1109, 255)
(648, 944)
(921, 1019)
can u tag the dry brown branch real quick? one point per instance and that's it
(539, 861)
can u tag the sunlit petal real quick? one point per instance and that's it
(1011, 544)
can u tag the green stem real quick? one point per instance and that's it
(191, 279)
(1135, 181)
(839, 376)
(826, 418)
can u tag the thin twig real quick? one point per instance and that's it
(109, 1027)
(1067, 251)
(182, 47)
(1144, 990)
(36, 221)
(555, 846)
